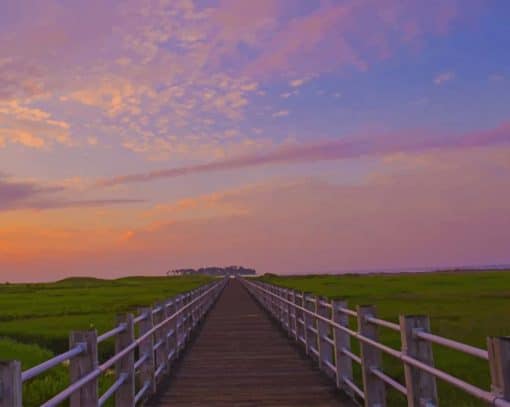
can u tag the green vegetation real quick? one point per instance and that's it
(35, 319)
(465, 306)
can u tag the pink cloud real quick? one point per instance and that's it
(30, 195)
(375, 144)
(352, 33)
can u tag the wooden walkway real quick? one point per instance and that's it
(241, 358)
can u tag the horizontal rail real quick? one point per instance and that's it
(115, 331)
(348, 311)
(159, 370)
(142, 392)
(351, 355)
(382, 322)
(354, 387)
(140, 361)
(449, 343)
(140, 318)
(57, 360)
(113, 388)
(389, 381)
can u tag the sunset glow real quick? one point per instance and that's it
(291, 136)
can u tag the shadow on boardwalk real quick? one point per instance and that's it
(240, 358)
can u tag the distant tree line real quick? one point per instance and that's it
(215, 271)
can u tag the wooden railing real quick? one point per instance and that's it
(322, 327)
(163, 332)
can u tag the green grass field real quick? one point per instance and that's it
(465, 306)
(35, 319)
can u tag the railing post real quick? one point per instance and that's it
(293, 318)
(200, 305)
(191, 297)
(172, 339)
(160, 338)
(10, 384)
(374, 388)
(81, 365)
(147, 349)
(194, 309)
(188, 318)
(281, 296)
(499, 359)
(421, 386)
(323, 329)
(180, 324)
(125, 395)
(342, 341)
(169, 326)
(307, 322)
(274, 302)
(300, 315)
(288, 311)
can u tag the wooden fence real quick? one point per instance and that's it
(322, 327)
(139, 361)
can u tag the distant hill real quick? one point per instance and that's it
(215, 271)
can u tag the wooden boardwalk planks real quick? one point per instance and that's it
(241, 358)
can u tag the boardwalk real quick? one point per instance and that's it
(240, 359)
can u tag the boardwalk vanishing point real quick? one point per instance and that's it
(240, 358)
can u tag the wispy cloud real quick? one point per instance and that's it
(444, 77)
(332, 150)
(296, 83)
(31, 195)
(496, 77)
(281, 113)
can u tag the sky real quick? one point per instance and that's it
(292, 136)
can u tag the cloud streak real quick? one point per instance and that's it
(329, 150)
(16, 195)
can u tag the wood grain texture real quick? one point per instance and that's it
(240, 358)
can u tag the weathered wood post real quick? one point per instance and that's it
(195, 308)
(267, 297)
(200, 305)
(300, 315)
(374, 388)
(283, 307)
(288, 311)
(189, 319)
(421, 386)
(125, 395)
(277, 304)
(499, 359)
(184, 320)
(10, 384)
(191, 310)
(160, 340)
(342, 339)
(274, 305)
(324, 347)
(178, 324)
(307, 322)
(147, 350)
(167, 329)
(172, 329)
(81, 365)
(294, 315)
(274, 302)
